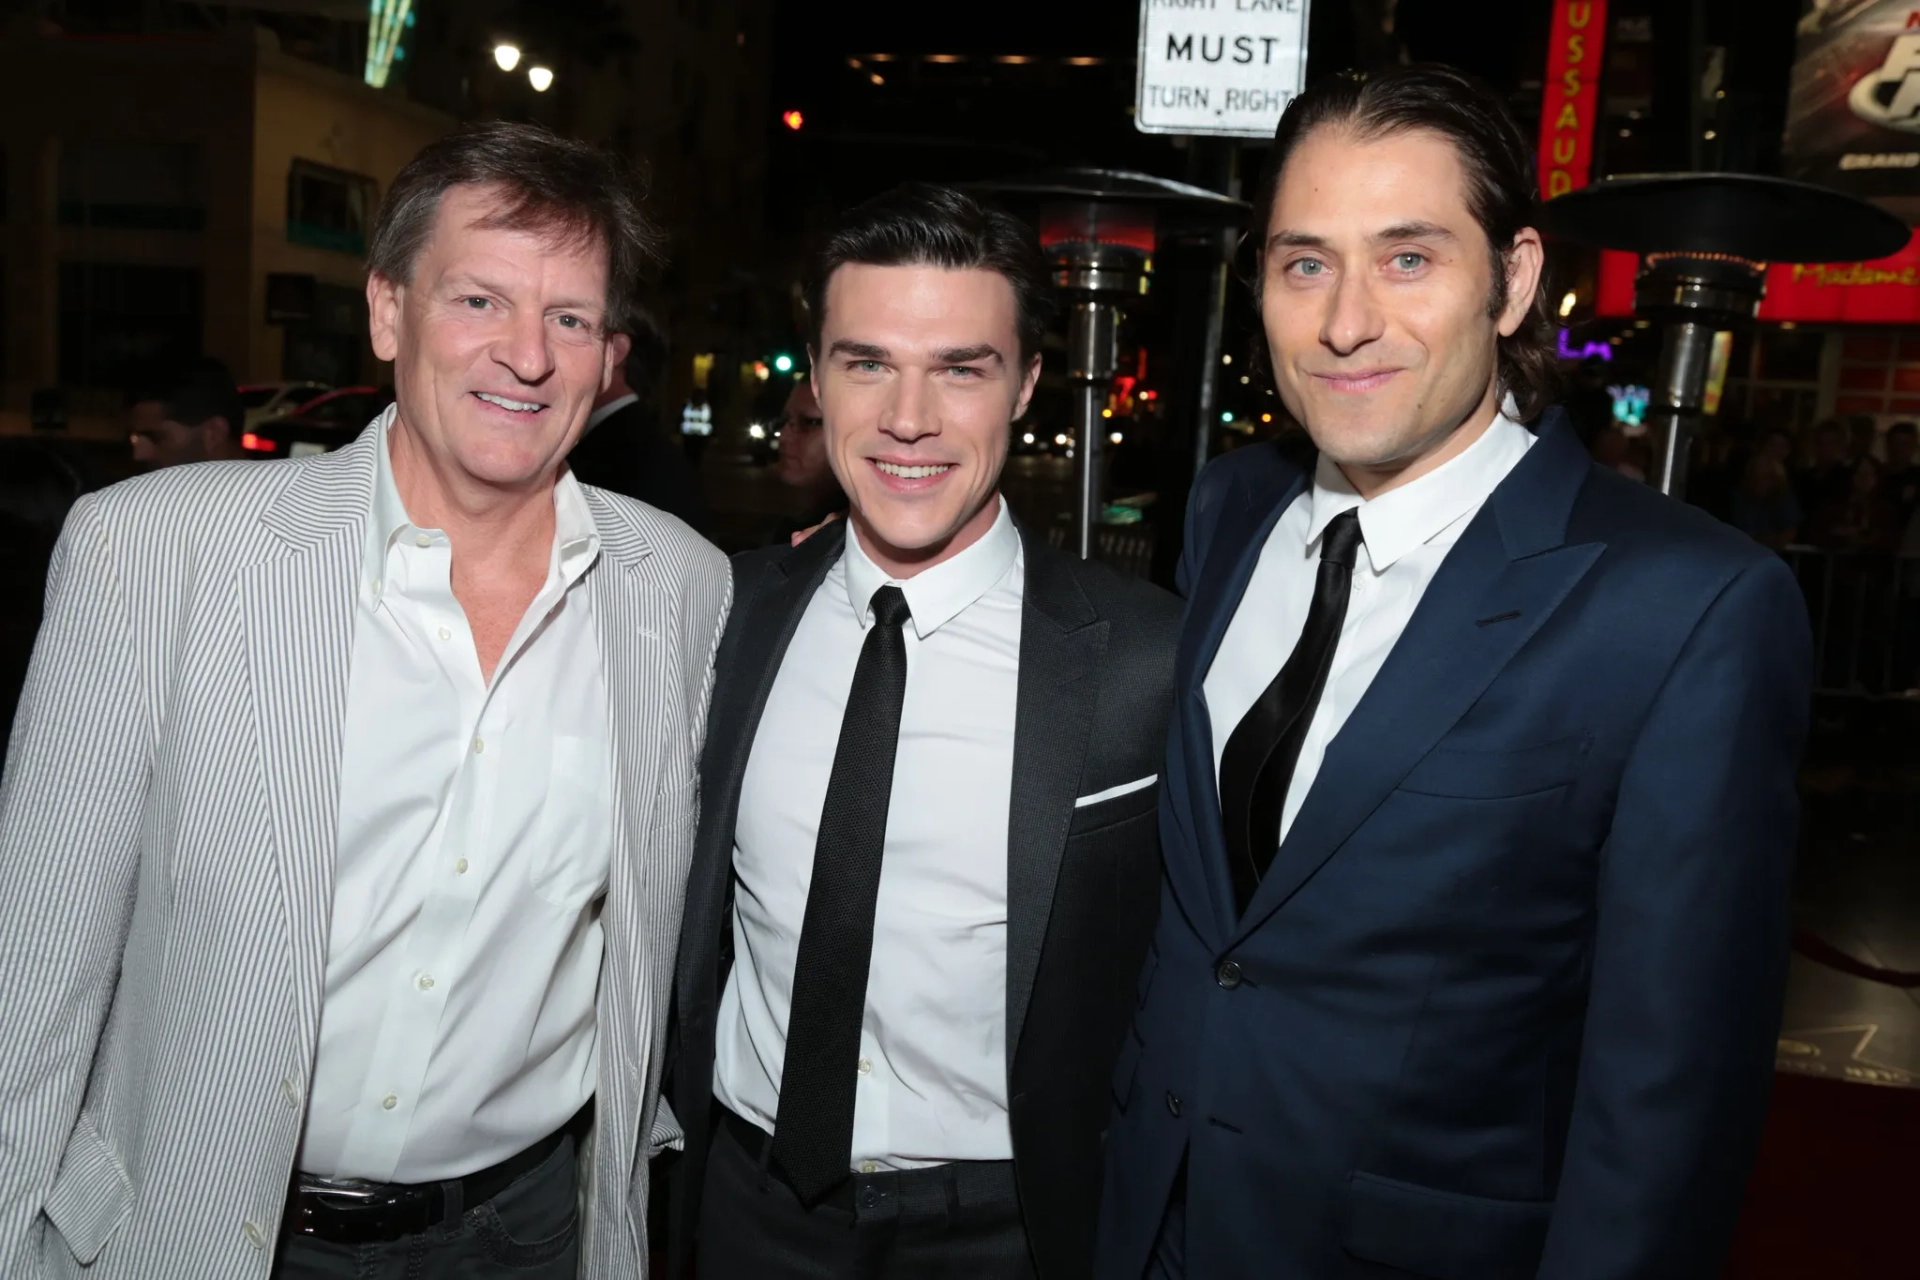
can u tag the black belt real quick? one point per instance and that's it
(376, 1212)
(968, 1182)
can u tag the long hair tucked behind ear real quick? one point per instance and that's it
(1501, 188)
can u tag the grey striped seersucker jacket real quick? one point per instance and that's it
(167, 827)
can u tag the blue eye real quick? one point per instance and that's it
(1409, 261)
(1310, 267)
(475, 304)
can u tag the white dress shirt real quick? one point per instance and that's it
(1408, 531)
(932, 1077)
(475, 833)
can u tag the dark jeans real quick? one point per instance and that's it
(921, 1224)
(530, 1231)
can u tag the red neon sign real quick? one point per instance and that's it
(1570, 94)
(1884, 291)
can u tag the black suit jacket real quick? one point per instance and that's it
(1095, 688)
(630, 454)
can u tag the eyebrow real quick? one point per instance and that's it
(858, 350)
(1414, 230)
(464, 283)
(967, 355)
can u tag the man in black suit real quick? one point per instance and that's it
(928, 860)
(623, 448)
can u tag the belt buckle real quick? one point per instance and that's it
(358, 1193)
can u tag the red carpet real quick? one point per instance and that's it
(1837, 1187)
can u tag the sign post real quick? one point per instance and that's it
(1226, 68)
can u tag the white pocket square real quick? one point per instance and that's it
(1114, 793)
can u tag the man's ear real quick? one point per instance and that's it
(1028, 381)
(813, 371)
(383, 315)
(1524, 260)
(618, 347)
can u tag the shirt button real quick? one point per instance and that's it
(866, 1067)
(868, 1166)
(445, 634)
(376, 586)
(422, 540)
(389, 1102)
(460, 866)
(255, 1236)
(290, 1091)
(479, 745)
(424, 982)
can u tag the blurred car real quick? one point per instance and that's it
(263, 400)
(321, 426)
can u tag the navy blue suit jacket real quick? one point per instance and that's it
(1505, 1005)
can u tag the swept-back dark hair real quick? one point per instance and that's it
(1501, 189)
(917, 224)
(573, 191)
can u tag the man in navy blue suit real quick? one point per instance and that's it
(1479, 803)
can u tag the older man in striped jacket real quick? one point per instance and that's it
(348, 809)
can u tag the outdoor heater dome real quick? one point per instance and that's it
(1099, 229)
(1704, 241)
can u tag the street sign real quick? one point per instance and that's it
(1222, 67)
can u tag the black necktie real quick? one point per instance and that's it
(813, 1134)
(1257, 767)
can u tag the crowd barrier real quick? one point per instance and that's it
(1865, 611)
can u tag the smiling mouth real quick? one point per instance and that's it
(1356, 382)
(512, 406)
(922, 472)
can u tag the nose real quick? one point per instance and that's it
(1353, 317)
(523, 346)
(910, 416)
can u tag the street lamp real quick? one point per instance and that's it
(541, 78)
(506, 56)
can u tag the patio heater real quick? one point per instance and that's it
(1704, 241)
(1099, 229)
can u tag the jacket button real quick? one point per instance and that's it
(1173, 1104)
(1228, 975)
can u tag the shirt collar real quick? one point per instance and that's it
(936, 595)
(1414, 513)
(610, 408)
(576, 540)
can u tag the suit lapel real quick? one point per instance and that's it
(1498, 586)
(1063, 642)
(1204, 884)
(297, 610)
(632, 616)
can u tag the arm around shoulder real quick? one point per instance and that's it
(70, 808)
(1690, 948)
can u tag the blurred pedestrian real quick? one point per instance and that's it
(37, 487)
(1763, 505)
(1825, 475)
(194, 415)
(345, 820)
(1902, 478)
(803, 465)
(626, 449)
(1864, 519)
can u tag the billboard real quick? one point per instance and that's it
(1853, 114)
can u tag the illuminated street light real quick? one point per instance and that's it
(506, 56)
(792, 119)
(540, 78)
(783, 362)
